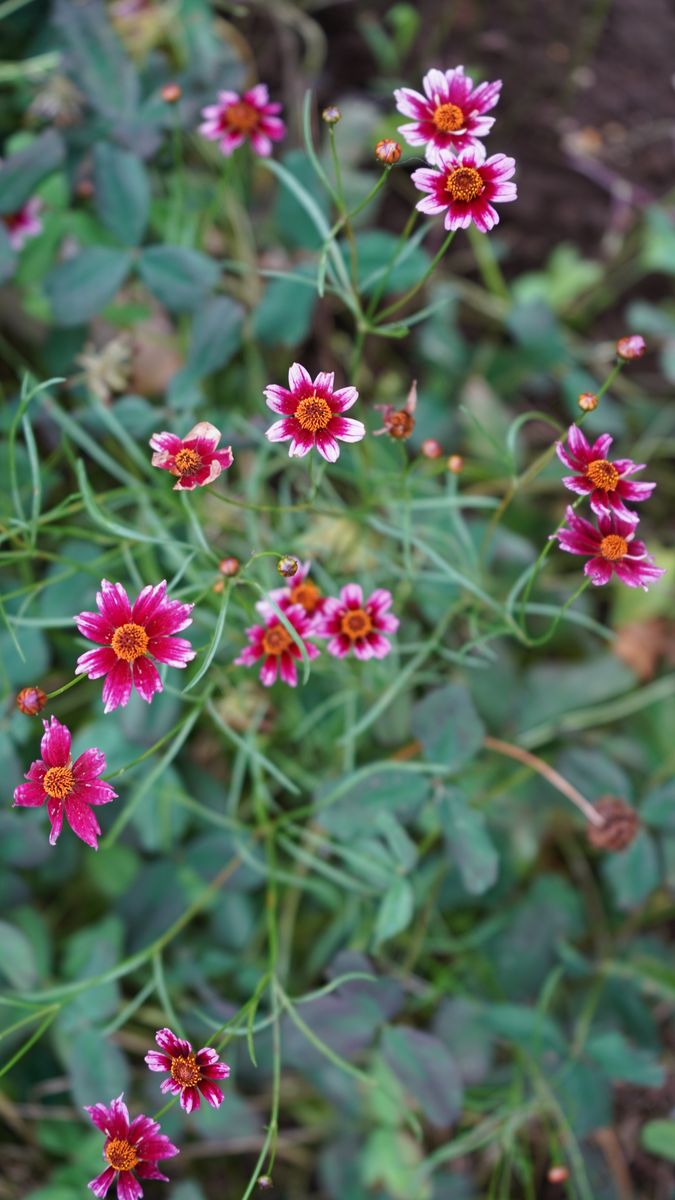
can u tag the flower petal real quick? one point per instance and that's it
(117, 686)
(55, 743)
(146, 679)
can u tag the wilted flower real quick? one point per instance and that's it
(66, 787)
(388, 151)
(194, 458)
(620, 825)
(235, 118)
(108, 370)
(331, 115)
(132, 1149)
(303, 592)
(398, 422)
(464, 187)
(451, 113)
(312, 414)
(273, 643)
(354, 625)
(612, 547)
(31, 700)
(171, 93)
(431, 448)
(288, 566)
(605, 482)
(23, 224)
(633, 346)
(129, 637)
(189, 1073)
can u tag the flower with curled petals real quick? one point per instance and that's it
(357, 626)
(451, 113)
(235, 118)
(311, 413)
(190, 1072)
(131, 1150)
(612, 548)
(273, 644)
(129, 637)
(466, 187)
(194, 459)
(66, 787)
(605, 483)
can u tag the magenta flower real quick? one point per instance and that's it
(311, 414)
(66, 787)
(235, 118)
(612, 547)
(273, 643)
(464, 187)
(23, 224)
(594, 475)
(354, 625)
(130, 637)
(132, 1149)
(194, 458)
(189, 1073)
(301, 591)
(451, 113)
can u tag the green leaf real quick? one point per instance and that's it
(122, 192)
(21, 174)
(98, 1069)
(100, 66)
(658, 1137)
(658, 808)
(395, 912)
(468, 842)
(448, 726)
(585, 1096)
(180, 278)
(284, 316)
(387, 789)
(623, 1063)
(376, 249)
(80, 287)
(658, 247)
(8, 256)
(216, 337)
(17, 961)
(426, 1069)
(633, 873)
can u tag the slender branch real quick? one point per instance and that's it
(549, 773)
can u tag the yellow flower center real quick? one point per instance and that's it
(602, 474)
(185, 1071)
(613, 547)
(464, 183)
(448, 118)
(130, 642)
(276, 639)
(356, 623)
(187, 460)
(242, 117)
(121, 1154)
(58, 782)
(313, 413)
(307, 595)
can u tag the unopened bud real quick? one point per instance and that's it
(265, 1183)
(558, 1174)
(31, 701)
(631, 347)
(288, 566)
(388, 151)
(431, 448)
(84, 190)
(171, 93)
(229, 567)
(455, 464)
(620, 825)
(218, 586)
(588, 401)
(331, 115)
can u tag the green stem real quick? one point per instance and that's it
(386, 312)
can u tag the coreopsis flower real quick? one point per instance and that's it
(31, 700)
(611, 548)
(302, 592)
(398, 422)
(189, 1073)
(235, 118)
(23, 224)
(631, 347)
(605, 483)
(451, 113)
(66, 787)
(194, 459)
(130, 637)
(273, 644)
(466, 187)
(132, 1150)
(353, 624)
(312, 414)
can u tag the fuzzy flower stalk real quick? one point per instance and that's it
(311, 414)
(132, 1150)
(450, 115)
(194, 459)
(605, 482)
(466, 187)
(355, 626)
(611, 549)
(251, 117)
(191, 1074)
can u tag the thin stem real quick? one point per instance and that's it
(66, 687)
(549, 773)
(386, 312)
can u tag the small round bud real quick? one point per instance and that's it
(171, 93)
(229, 567)
(431, 448)
(620, 825)
(456, 464)
(631, 347)
(558, 1174)
(31, 701)
(218, 586)
(588, 401)
(388, 151)
(84, 190)
(288, 566)
(331, 115)
(265, 1183)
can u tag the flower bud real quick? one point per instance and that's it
(456, 464)
(288, 566)
(229, 567)
(331, 115)
(431, 448)
(84, 189)
(588, 401)
(388, 151)
(631, 347)
(218, 586)
(31, 700)
(620, 826)
(265, 1183)
(171, 93)
(558, 1174)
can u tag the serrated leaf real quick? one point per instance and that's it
(180, 278)
(21, 174)
(80, 287)
(122, 192)
(448, 726)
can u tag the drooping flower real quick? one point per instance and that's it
(451, 113)
(611, 548)
(605, 482)
(132, 1150)
(354, 625)
(194, 458)
(129, 637)
(302, 592)
(466, 187)
(273, 643)
(399, 423)
(235, 118)
(66, 787)
(311, 414)
(23, 224)
(189, 1073)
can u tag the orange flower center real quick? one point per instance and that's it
(313, 413)
(464, 183)
(242, 116)
(613, 547)
(276, 639)
(602, 474)
(130, 642)
(187, 461)
(121, 1154)
(356, 623)
(58, 782)
(448, 118)
(307, 595)
(185, 1071)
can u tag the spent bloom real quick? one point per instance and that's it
(466, 187)
(451, 113)
(190, 1072)
(273, 644)
(194, 459)
(129, 637)
(611, 548)
(302, 592)
(312, 414)
(235, 118)
(353, 624)
(66, 787)
(23, 224)
(132, 1149)
(398, 422)
(605, 482)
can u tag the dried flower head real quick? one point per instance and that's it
(331, 115)
(455, 464)
(107, 371)
(171, 93)
(631, 347)
(399, 422)
(229, 566)
(621, 824)
(431, 448)
(190, 1072)
(388, 151)
(288, 566)
(588, 401)
(31, 700)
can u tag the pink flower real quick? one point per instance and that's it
(595, 476)
(311, 414)
(302, 592)
(235, 118)
(129, 637)
(273, 643)
(189, 1073)
(451, 113)
(194, 458)
(612, 547)
(465, 186)
(132, 1149)
(23, 224)
(354, 625)
(66, 787)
